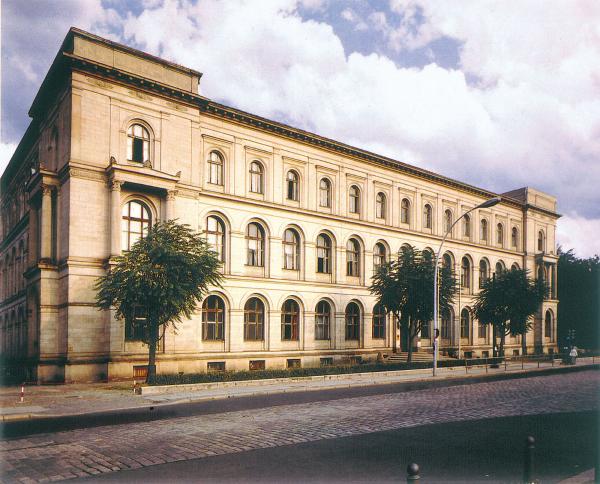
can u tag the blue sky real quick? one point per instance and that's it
(493, 93)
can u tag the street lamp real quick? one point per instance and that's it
(488, 203)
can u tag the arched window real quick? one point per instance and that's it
(379, 256)
(354, 199)
(215, 235)
(548, 324)
(135, 330)
(323, 254)
(353, 258)
(447, 261)
(322, 320)
(500, 235)
(380, 205)
(484, 272)
(255, 240)
(213, 319)
(514, 267)
(292, 182)
(135, 222)
(514, 237)
(352, 322)
(540, 241)
(379, 318)
(405, 211)
(427, 214)
(325, 193)
(447, 220)
(256, 177)
(483, 230)
(481, 330)
(215, 168)
(466, 226)
(446, 324)
(465, 323)
(291, 250)
(500, 267)
(254, 320)
(290, 318)
(138, 143)
(465, 276)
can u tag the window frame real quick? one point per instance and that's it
(381, 206)
(483, 230)
(144, 139)
(295, 248)
(427, 216)
(144, 222)
(379, 255)
(216, 168)
(326, 251)
(405, 211)
(254, 320)
(379, 322)
(465, 323)
(257, 173)
(353, 261)
(255, 257)
(292, 185)
(213, 330)
(323, 321)
(290, 320)
(354, 199)
(218, 246)
(352, 322)
(325, 193)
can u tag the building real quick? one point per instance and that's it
(120, 139)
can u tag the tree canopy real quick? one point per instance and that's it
(159, 281)
(579, 298)
(507, 301)
(404, 287)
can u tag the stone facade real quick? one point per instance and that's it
(120, 139)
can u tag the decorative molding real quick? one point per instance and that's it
(171, 194)
(115, 185)
(46, 189)
(140, 95)
(82, 173)
(178, 107)
(99, 83)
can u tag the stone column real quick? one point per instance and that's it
(115, 217)
(46, 224)
(170, 206)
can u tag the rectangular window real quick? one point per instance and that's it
(425, 330)
(256, 365)
(213, 366)
(327, 361)
(293, 363)
(355, 360)
(481, 330)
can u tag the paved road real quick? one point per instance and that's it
(85, 452)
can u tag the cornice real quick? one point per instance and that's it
(15, 232)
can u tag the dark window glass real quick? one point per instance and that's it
(291, 250)
(254, 319)
(323, 254)
(354, 199)
(464, 323)
(352, 322)
(292, 185)
(322, 320)
(255, 239)
(405, 211)
(135, 223)
(353, 258)
(213, 319)
(379, 319)
(290, 318)
(215, 235)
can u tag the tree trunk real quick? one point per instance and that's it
(524, 343)
(494, 352)
(150, 378)
(502, 340)
(410, 340)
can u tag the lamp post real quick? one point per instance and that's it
(488, 203)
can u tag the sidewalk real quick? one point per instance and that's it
(80, 399)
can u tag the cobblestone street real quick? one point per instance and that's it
(93, 451)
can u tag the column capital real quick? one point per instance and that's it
(171, 194)
(115, 185)
(46, 189)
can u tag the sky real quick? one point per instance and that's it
(497, 94)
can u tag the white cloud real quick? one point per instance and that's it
(579, 233)
(6, 152)
(532, 117)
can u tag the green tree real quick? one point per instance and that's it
(159, 281)
(579, 298)
(507, 301)
(404, 287)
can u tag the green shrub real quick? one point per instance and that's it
(181, 379)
